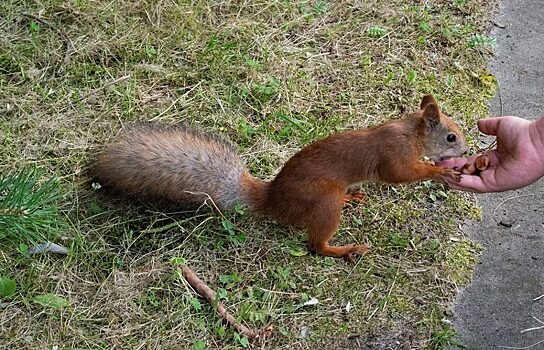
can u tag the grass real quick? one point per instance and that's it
(28, 209)
(272, 76)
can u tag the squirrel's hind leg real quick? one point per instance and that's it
(322, 225)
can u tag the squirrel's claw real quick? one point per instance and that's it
(355, 250)
(356, 197)
(450, 174)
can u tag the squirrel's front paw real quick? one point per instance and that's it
(450, 174)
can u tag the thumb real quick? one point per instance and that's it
(489, 126)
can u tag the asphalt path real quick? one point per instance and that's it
(505, 300)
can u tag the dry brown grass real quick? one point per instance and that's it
(273, 76)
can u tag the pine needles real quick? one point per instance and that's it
(28, 211)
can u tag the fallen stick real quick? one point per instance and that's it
(109, 83)
(209, 295)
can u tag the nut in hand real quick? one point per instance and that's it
(480, 164)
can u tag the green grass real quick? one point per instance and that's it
(28, 209)
(272, 76)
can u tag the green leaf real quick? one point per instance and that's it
(397, 240)
(367, 60)
(412, 76)
(447, 33)
(51, 300)
(177, 275)
(459, 3)
(230, 280)
(95, 208)
(224, 279)
(320, 7)
(23, 249)
(376, 31)
(199, 345)
(442, 194)
(252, 62)
(7, 287)
(178, 260)
(297, 252)
(480, 40)
(240, 209)
(425, 26)
(34, 27)
(195, 302)
(328, 261)
(488, 79)
(434, 243)
(265, 92)
(244, 342)
(150, 50)
(228, 226)
(388, 79)
(222, 294)
(220, 331)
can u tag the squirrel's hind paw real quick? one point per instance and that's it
(355, 250)
(354, 197)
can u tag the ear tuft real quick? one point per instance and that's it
(431, 115)
(427, 99)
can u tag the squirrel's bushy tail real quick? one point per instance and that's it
(177, 165)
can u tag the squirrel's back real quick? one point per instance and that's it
(176, 165)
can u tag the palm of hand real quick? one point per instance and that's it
(516, 162)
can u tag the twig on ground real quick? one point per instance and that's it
(537, 320)
(176, 101)
(109, 83)
(534, 328)
(497, 24)
(531, 329)
(209, 295)
(509, 199)
(522, 348)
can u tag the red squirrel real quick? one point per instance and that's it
(183, 166)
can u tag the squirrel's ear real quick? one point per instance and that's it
(431, 115)
(426, 100)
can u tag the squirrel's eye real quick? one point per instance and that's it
(451, 138)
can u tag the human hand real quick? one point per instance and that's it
(517, 161)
